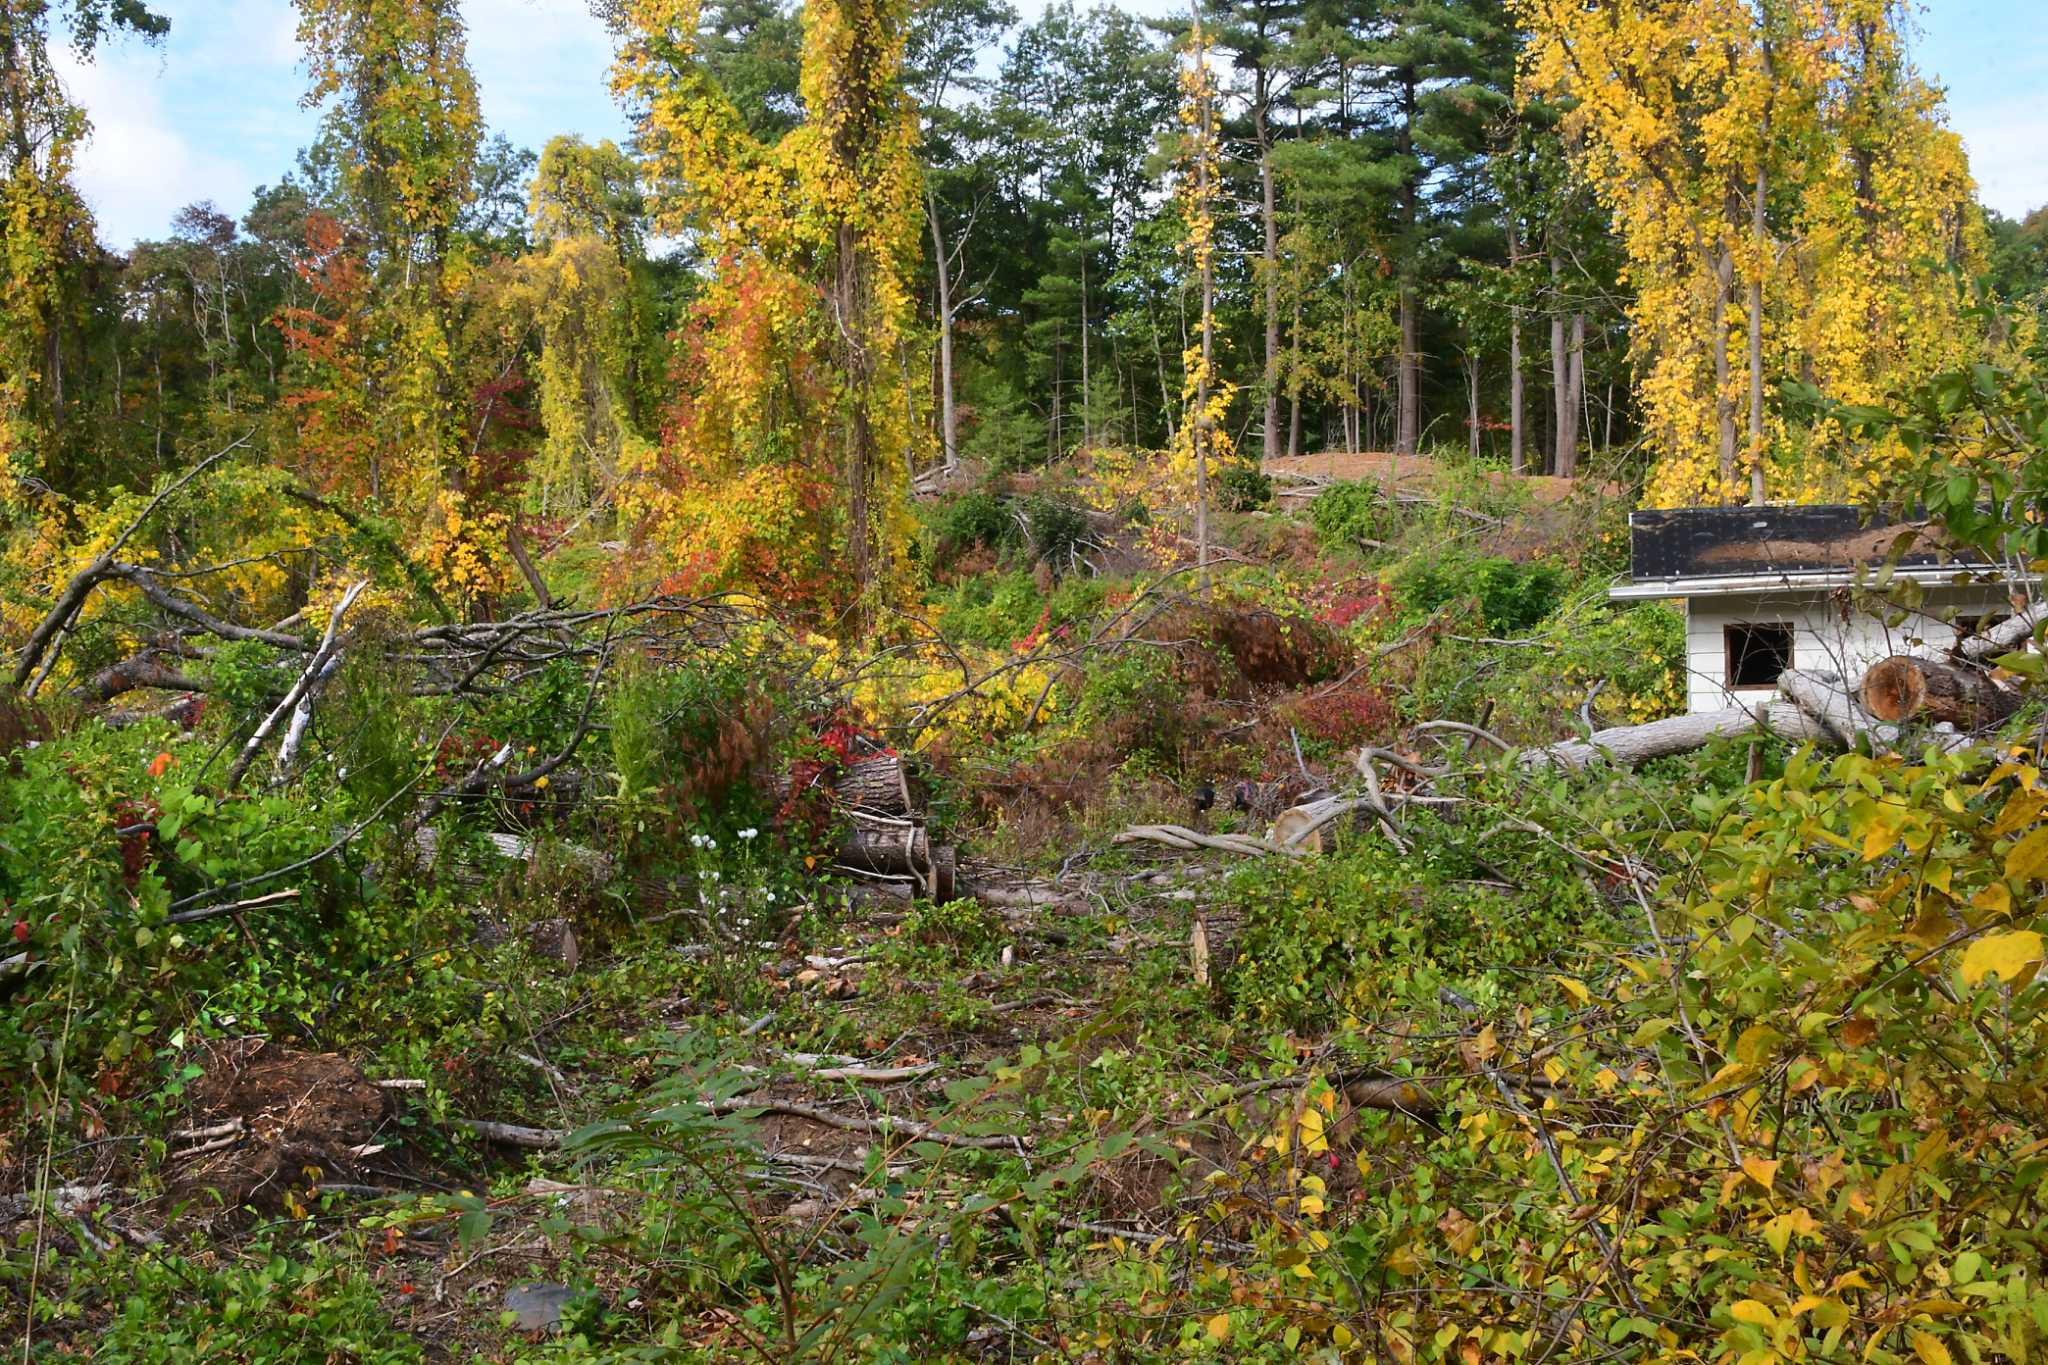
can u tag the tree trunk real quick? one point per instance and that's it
(1575, 392)
(1517, 458)
(1202, 426)
(1472, 405)
(1408, 382)
(1270, 258)
(1087, 379)
(949, 427)
(1756, 336)
(1565, 423)
(1724, 411)
(1294, 379)
(1903, 688)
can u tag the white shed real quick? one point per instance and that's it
(1765, 589)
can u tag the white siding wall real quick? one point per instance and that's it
(1822, 641)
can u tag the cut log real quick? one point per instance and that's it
(880, 784)
(942, 884)
(1903, 688)
(887, 848)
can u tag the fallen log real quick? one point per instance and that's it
(1630, 745)
(2012, 633)
(1903, 688)
(1181, 837)
(1816, 707)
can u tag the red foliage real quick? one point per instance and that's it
(1352, 715)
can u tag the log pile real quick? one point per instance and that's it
(885, 835)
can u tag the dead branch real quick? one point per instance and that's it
(302, 689)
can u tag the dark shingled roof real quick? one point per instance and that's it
(1727, 542)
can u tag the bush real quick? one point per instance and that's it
(1134, 700)
(1348, 515)
(1513, 597)
(1004, 433)
(1242, 487)
(1057, 530)
(1354, 933)
(973, 519)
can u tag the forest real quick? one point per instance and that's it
(1027, 685)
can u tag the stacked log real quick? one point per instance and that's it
(885, 837)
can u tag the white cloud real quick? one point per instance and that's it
(2005, 138)
(141, 167)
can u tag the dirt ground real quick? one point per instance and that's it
(1412, 473)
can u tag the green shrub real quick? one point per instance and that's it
(1513, 597)
(1360, 931)
(172, 1308)
(1057, 529)
(1134, 699)
(1005, 433)
(1243, 487)
(970, 520)
(1348, 515)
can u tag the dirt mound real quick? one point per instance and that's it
(1409, 473)
(267, 1121)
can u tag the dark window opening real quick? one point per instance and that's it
(1757, 653)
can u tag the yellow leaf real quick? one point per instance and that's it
(1219, 1327)
(1762, 1171)
(1312, 1139)
(2002, 955)
(1311, 1205)
(2029, 857)
(1997, 898)
(1575, 989)
(1930, 1350)
(1755, 1312)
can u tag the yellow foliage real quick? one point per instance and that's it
(1684, 114)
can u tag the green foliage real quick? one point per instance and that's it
(1366, 930)
(1003, 608)
(970, 520)
(1243, 487)
(1512, 597)
(1134, 699)
(307, 1307)
(1351, 516)
(1056, 530)
(1006, 433)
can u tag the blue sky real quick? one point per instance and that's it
(215, 112)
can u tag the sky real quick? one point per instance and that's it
(215, 111)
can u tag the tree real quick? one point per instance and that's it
(1766, 146)
(1207, 397)
(48, 244)
(831, 207)
(1258, 35)
(942, 63)
(400, 146)
(585, 208)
